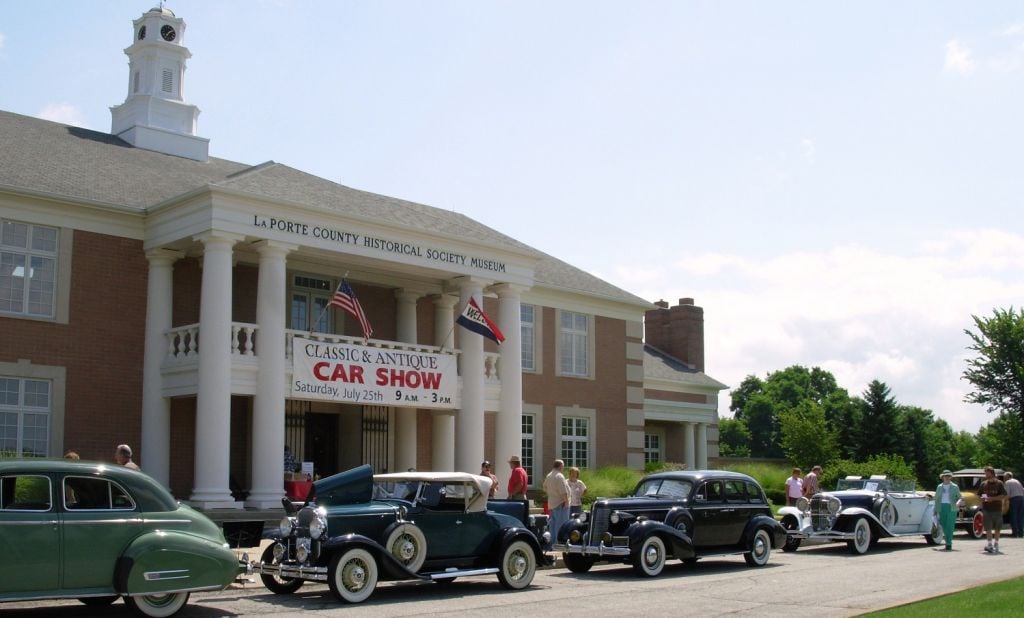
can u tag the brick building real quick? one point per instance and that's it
(155, 295)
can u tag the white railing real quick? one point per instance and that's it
(183, 341)
(183, 344)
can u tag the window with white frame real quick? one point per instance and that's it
(28, 269)
(528, 332)
(529, 446)
(574, 334)
(575, 441)
(652, 448)
(24, 417)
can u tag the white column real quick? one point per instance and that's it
(469, 421)
(268, 404)
(509, 429)
(213, 402)
(405, 418)
(688, 448)
(155, 451)
(702, 446)
(443, 434)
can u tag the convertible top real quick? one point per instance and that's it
(482, 483)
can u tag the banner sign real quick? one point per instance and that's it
(374, 376)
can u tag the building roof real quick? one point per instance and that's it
(660, 366)
(65, 162)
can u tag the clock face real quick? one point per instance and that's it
(142, 33)
(168, 33)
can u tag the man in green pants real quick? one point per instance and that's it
(947, 496)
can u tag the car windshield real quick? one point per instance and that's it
(401, 490)
(663, 488)
(899, 485)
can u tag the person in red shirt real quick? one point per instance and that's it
(518, 480)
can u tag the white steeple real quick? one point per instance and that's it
(154, 115)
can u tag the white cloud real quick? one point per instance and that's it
(807, 147)
(859, 312)
(958, 58)
(64, 113)
(1014, 30)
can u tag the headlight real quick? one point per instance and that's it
(803, 504)
(615, 517)
(834, 504)
(317, 527)
(582, 517)
(302, 550)
(287, 525)
(280, 551)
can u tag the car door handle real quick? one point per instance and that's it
(458, 521)
(727, 510)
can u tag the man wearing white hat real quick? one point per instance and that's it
(947, 497)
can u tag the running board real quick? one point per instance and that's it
(453, 573)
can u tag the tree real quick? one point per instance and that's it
(759, 415)
(879, 422)
(742, 393)
(733, 438)
(999, 443)
(806, 437)
(997, 373)
(843, 418)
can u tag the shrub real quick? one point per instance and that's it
(892, 466)
(609, 482)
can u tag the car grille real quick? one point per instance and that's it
(598, 524)
(821, 519)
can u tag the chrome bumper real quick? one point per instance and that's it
(592, 550)
(825, 535)
(318, 574)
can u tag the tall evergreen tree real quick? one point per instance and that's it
(879, 424)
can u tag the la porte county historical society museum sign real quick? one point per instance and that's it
(354, 374)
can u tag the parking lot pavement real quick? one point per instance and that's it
(824, 580)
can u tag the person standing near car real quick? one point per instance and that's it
(557, 490)
(794, 488)
(1015, 492)
(518, 480)
(485, 470)
(947, 497)
(576, 490)
(123, 456)
(992, 493)
(811, 482)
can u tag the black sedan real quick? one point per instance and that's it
(685, 515)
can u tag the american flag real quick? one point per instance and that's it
(346, 300)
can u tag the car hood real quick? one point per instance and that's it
(854, 497)
(349, 487)
(639, 503)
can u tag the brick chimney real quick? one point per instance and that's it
(678, 331)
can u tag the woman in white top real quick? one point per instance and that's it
(576, 490)
(947, 496)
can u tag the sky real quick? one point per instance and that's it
(836, 184)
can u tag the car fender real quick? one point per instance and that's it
(801, 519)
(772, 525)
(846, 518)
(510, 535)
(682, 544)
(389, 565)
(173, 561)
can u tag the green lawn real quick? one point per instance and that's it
(999, 599)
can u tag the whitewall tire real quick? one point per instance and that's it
(352, 575)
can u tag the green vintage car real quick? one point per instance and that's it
(94, 532)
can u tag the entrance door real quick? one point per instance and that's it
(322, 442)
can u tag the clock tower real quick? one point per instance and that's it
(154, 115)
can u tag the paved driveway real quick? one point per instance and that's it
(821, 581)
